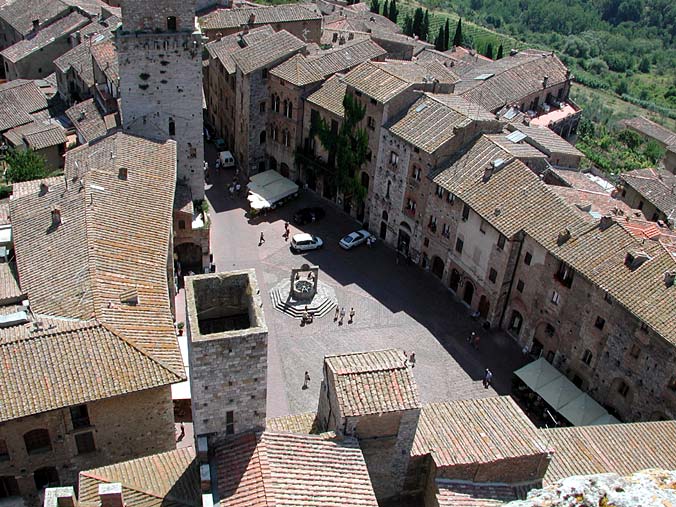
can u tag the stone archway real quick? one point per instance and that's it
(404, 239)
(468, 293)
(484, 307)
(189, 255)
(383, 230)
(438, 266)
(454, 280)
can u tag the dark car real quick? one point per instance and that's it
(308, 215)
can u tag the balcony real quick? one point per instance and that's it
(107, 102)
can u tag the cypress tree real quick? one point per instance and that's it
(447, 32)
(408, 25)
(418, 21)
(457, 39)
(386, 9)
(439, 41)
(425, 31)
(394, 12)
(489, 51)
(375, 6)
(500, 55)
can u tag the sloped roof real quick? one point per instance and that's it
(36, 135)
(657, 186)
(346, 56)
(220, 19)
(618, 448)
(449, 498)
(19, 14)
(45, 36)
(92, 263)
(285, 470)
(475, 431)
(511, 78)
(18, 99)
(383, 81)
(434, 119)
(330, 95)
(298, 70)
(105, 55)
(304, 423)
(168, 479)
(651, 129)
(9, 285)
(267, 51)
(374, 382)
(546, 139)
(87, 120)
(520, 150)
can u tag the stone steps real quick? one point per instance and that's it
(317, 308)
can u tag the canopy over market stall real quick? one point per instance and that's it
(268, 189)
(562, 395)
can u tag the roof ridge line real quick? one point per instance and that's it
(136, 488)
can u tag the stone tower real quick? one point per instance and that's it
(160, 65)
(227, 350)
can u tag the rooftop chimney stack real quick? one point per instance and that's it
(36, 24)
(60, 497)
(111, 495)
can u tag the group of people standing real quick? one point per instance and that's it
(340, 315)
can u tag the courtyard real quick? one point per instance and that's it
(396, 305)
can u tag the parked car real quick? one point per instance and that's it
(220, 144)
(304, 242)
(308, 215)
(355, 238)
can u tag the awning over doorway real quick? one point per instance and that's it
(562, 395)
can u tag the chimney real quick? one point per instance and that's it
(60, 497)
(44, 188)
(123, 173)
(252, 18)
(77, 38)
(494, 167)
(635, 259)
(82, 115)
(36, 24)
(564, 236)
(545, 80)
(513, 52)
(669, 277)
(205, 477)
(111, 495)
(606, 221)
(341, 41)
(56, 218)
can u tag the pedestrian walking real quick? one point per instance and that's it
(218, 164)
(488, 378)
(335, 317)
(232, 191)
(470, 338)
(238, 189)
(306, 380)
(342, 316)
(181, 435)
(411, 359)
(351, 316)
(261, 240)
(475, 341)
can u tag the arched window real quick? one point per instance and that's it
(262, 136)
(385, 216)
(46, 477)
(172, 127)
(171, 23)
(516, 322)
(37, 441)
(289, 113)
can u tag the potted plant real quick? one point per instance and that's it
(180, 327)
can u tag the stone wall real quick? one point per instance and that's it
(152, 15)
(305, 30)
(228, 364)
(160, 85)
(39, 64)
(123, 427)
(637, 201)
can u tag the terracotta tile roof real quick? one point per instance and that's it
(90, 358)
(278, 45)
(475, 431)
(657, 186)
(547, 140)
(92, 263)
(36, 135)
(44, 37)
(583, 181)
(18, 99)
(330, 95)
(591, 205)
(511, 79)
(298, 71)
(104, 54)
(9, 285)
(619, 448)
(383, 81)
(33, 186)
(448, 498)
(305, 423)
(435, 119)
(344, 57)
(220, 19)
(169, 479)
(87, 120)
(651, 129)
(520, 150)
(284, 470)
(19, 14)
(373, 382)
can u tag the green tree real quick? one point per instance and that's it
(447, 32)
(349, 147)
(425, 32)
(489, 51)
(418, 21)
(439, 41)
(408, 25)
(375, 6)
(386, 9)
(653, 151)
(622, 87)
(644, 65)
(24, 165)
(394, 12)
(500, 52)
(457, 38)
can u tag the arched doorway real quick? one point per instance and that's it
(383, 230)
(454, 280)
(437, 266)
(273, 163)
(404, 239)
(189, 255)
(284, 170)
(8, 486)
(468, 295)
(46, 477)
(484, 307)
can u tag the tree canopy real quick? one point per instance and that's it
(24, 165)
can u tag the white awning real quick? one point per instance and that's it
(562, 395)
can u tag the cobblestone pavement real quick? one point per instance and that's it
(396, 306)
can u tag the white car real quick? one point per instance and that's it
(304, 242)
(355, 238)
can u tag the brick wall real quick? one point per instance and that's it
(123, 427)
